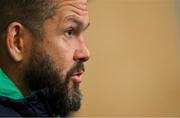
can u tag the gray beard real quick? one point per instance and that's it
(41, 73)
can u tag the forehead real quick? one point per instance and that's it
(72, 9)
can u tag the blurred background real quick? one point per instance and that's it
(134, 69)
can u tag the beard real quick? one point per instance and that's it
(42, 73)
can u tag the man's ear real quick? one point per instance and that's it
(15, 41)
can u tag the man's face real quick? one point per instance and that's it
(63, 37)
(57, 61)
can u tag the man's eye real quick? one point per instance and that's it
(70, 33)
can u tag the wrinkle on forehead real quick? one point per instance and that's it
(77, 7)
(79, 4)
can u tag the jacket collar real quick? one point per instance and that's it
(8, 88)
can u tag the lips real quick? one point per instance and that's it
(77, 77)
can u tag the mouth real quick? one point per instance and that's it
(77, 77)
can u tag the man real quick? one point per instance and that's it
(42, 51)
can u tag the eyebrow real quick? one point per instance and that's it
(78, 22)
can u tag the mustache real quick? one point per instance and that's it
(78, 67)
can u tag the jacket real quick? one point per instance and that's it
(35, 105)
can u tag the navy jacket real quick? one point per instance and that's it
(35, 105)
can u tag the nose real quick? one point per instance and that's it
(82, 53)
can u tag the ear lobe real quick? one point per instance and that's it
(14, 41)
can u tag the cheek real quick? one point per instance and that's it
(65, 62)
(62, 56)
(60, 50)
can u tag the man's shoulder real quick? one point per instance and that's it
(35, 105)
(8, 112)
